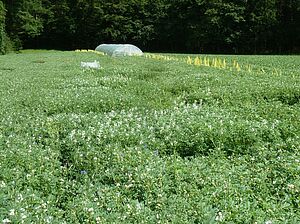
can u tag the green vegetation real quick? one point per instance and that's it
(199, 26)
(2, 25)
(149, 139)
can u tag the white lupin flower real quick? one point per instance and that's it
(98, 219)
(291, 186)
(5, 221)
(2, 184)
(12, 212)
(219, 217)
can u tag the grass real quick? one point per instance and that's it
(148, 141)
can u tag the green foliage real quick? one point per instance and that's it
(195, 26)
(2, 28)
(24, 20)
(147, 141)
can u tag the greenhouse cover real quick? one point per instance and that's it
(119, 50)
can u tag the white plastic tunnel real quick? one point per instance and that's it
(116, 50)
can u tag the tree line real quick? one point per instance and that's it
(194, 26)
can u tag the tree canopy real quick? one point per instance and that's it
(199, 26)
(2, 24)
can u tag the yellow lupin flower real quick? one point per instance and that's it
(213, 62)
(234, 64)
(189, 60)
(237, 66)
(249, 68)
(200, 61)
(197, 61)
(205, 61)
(220, 65)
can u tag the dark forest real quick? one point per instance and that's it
(191, 26)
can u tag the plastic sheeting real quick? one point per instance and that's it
(117, 50)
(90, 65)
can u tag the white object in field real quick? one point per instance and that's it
(92, 65)
(116, 50)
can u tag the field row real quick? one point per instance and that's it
(148, 139)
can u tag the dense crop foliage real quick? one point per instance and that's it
(153, 139)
